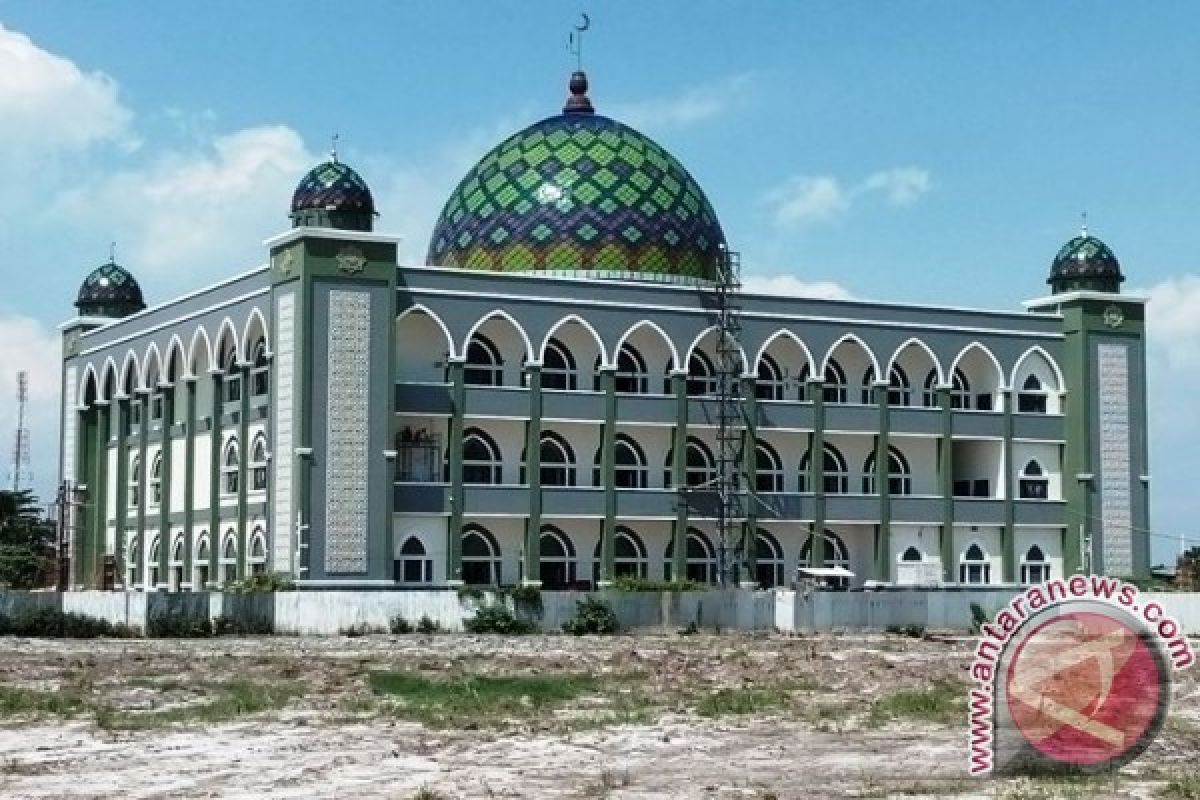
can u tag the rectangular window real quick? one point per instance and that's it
(233, 389)
(983, 402)
(1031, 403)
(962, 488)
(156, 407)
(133, 496)
(981, 487)
(231, 482)
(135, 415)
(1034, 488)
(262, 382)
(259, 478)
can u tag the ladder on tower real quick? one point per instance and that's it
(730, 488)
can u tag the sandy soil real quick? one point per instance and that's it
(334, 740)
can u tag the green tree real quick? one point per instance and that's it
(1187, 570)
(26, 541)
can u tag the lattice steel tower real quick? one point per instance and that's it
(21, 470)
(730, 411)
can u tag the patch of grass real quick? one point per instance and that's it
(22, 702)
(426, 793)
(480, 700)
(943, 701)
(742, 701)
(1182, 786)
(234, 699)
(1059, 787)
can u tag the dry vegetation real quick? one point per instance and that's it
(449, 716)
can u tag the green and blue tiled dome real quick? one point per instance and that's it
(580, 194)
(109, 291)
(1085, 263)
(332, 195)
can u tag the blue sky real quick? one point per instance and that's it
(923, 152)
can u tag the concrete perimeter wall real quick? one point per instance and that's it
(333, 612)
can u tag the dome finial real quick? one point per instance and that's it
(1083, 230)
(578, 102)
(112, 252)
(333, 148)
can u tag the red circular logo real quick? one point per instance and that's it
(1083, 688)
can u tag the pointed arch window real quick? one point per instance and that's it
(176, 580)
(960, 391)
(200, 575)
(631, 376)
(260, 375)
(1032, 397)
(558, 367)
(480, 557)
(702, 376)
(833, 552)
(699, 469)
(912, 555)
(556, 554)
(135, 482)
(899, 473)
(414, 565)
(257, 559)
(1034, 566)
(156, 480)
(133, 560)
(557, 461)
(899, 390)
(768, 468)
(770, 383)
(629, 555)
(484, 367)
(229, 557)
(629, 465)
(233, 377)
(481, 459)
(974, 567)
(835, 388)
(229, 468)
(701, 563)
(258, 463)
(768, 560)
(1034, 484)
(837, 476)
(155, 556)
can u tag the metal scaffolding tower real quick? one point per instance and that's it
(730, 413)
(21, 472)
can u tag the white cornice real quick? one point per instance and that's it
(1066, 297)
(293, 234)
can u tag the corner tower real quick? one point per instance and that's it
(1105, 463)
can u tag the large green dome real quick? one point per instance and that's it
(580, 194)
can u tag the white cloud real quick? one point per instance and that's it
(791, 286)
(47, 103)
(805, 199)
(694, 105)
(26, 344)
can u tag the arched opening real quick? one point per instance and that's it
(834, 553)
(135, 482)
(982, 376)
(557, 461)
(783, 368)
(233, 375)
(133, 560)
(480, 557)
(837, 475)
(1034, 566)
(899, 473)
(835, 388)
(260, 372)
(414, 565)
(629, 555)
(558, 367)
(768, 560)
(484, 367)
(258, 463)
(481, 461)
(258, 552)
(769, 383)
(912, 555)
(557, 556)
(701, 562)
(200, 576)
(960, 391)
(1033, 484)
(178, 551)
(768, 468)
(229, 558)
(629, 465)
(229, 468)
(1032, 397)
(154, 561)
(899, 390)
(699, 469)
(422, 346)
(974, 567)
(702, 376)
(631, 376)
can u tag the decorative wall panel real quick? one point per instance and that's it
(1116, 507)
(68, 427)
(283, 530)
(347, 431)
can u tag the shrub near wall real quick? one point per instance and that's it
(51, 623)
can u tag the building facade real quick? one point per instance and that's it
(538, 403)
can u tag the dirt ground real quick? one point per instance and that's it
(701, 716)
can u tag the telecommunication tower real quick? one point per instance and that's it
(730, 411)
(21, 471)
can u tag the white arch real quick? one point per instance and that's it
(81, 395)
(782, 332)
(991, 357)
(259, 537)
(201, 541)
(227, 332)
(437, 320)
(266, 333)
(696, 342)
(131, 363)
(146, 373)
(175, 346)
(198, 338)
(849, 337)
(912, 340)
(587, 325)
(500, 314)
(1058, 376)
(110, 368)
(616, 351)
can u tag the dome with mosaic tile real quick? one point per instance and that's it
(1085, 262)
(333, 195)
(109, 291)
(580, 194)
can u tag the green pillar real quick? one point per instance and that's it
(189, 477)
(533, 474)
(214, 485)
(883, 544)
(458, 395)
(608, 439)
(946, 481)
(243, 516)
(122, 492)
(749, 577)
(164, 505)
(99, 495)
(1008, 542)
(143, 401)
(679, 478)
(821, 548)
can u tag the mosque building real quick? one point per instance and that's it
(571, 388)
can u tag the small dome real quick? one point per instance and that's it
(1085, 263)
(581, 194)
(109, 291)
(333, 195)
